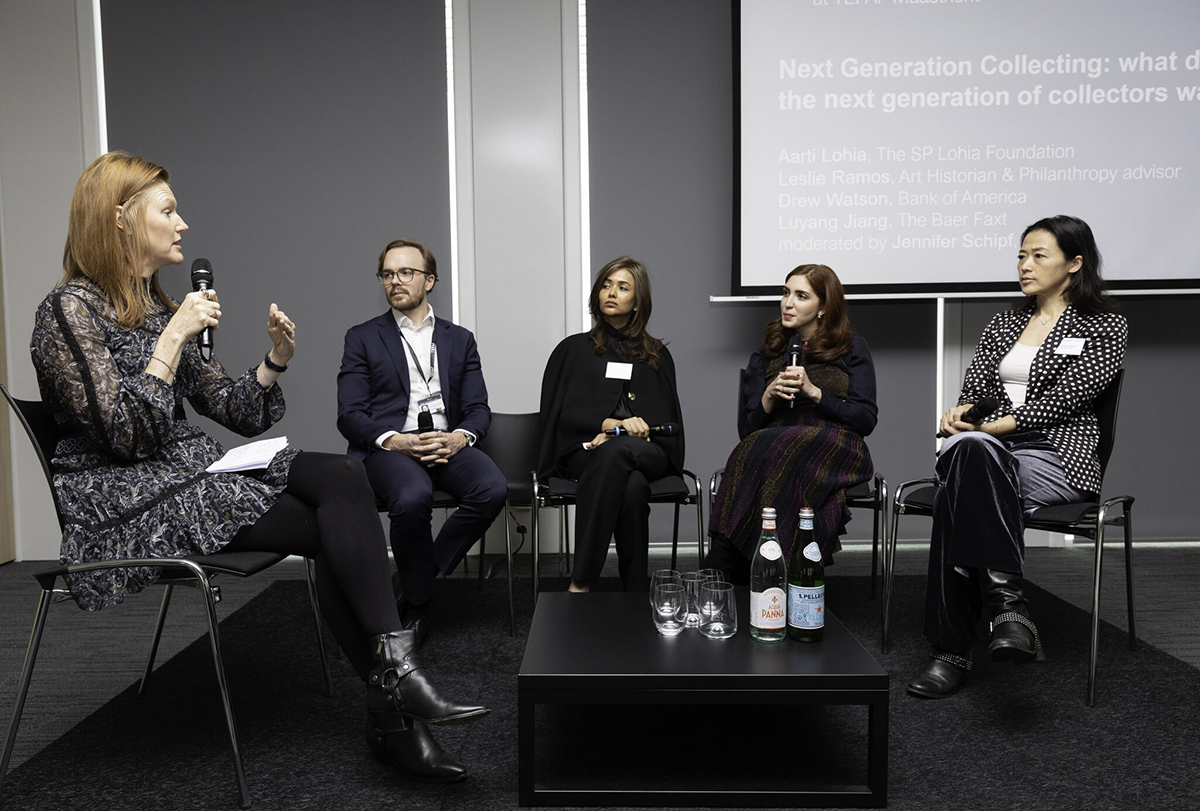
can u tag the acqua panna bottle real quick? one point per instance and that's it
(768, 581)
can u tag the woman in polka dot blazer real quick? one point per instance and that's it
(1045, 363)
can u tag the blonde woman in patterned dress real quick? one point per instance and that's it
(1045, 362)
(115, 360)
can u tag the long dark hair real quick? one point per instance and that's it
(635, 342)
(1086, 291)
(832, 338)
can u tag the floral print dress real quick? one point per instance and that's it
(129, 469)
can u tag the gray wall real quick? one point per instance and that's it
(300, 142)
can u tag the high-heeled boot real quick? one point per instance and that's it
(410, 747)
(398, 683)
(1014, 636)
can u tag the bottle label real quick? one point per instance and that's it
(812, 552)
(771, 550)
(806, 606)
(767, 609)
(768, 523)
(806, 523)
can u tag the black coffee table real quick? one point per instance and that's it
(602, 648)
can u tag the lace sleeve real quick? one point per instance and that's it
(241, 405)
(129, 416)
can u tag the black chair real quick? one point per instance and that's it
(191, 570)
(1086, 518)
(871, 495)
(512, 443)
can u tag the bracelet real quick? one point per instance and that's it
(163, 362)
(274, 367)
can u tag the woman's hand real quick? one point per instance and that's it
(951, 422)
(283, 336)
(198, 310)
(787, 385)
(634, 426)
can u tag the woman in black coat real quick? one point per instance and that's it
(617, 378)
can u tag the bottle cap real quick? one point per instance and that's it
(768, 512)
(806, 512)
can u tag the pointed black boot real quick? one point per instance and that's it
(409, 746)
(1014, 636)
(398, 683)
(943, 674)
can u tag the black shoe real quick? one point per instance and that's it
(398, 683)
(943, 674)
(1014, 636)
(411, 748)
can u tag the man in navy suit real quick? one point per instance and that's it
(395, 366)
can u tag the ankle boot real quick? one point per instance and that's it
(409, 746)
(943, 674)
(1014, 636)
(398, 683)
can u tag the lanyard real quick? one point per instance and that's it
(421, 371)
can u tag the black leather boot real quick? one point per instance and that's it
(943, 674)
(1014, 636)
(398, 683)
(409, 746)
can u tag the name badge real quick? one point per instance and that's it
(619, 371)
(434, 404)
(1071, 346)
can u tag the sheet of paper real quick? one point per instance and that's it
(254, 456)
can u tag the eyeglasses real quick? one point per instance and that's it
(404, 275)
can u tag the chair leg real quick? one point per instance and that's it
(35, 641)
(508, 553)
(1101, 517)
(311, 577)
(158, 629)
(535, 541)
(1127, 520)
(675, 537)
(889, 571)
(699, 527)
(222, 683)
(875, 518)
(482, 548)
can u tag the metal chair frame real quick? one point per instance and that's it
(1086, 518)
(192, 570)
(545, 496)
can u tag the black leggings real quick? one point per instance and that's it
(328, 513)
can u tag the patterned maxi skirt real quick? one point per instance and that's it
(789, 467)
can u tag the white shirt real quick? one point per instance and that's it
(1014, 372)
(423, 378)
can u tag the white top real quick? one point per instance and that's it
(1014, 372)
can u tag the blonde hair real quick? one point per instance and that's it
(108, 255)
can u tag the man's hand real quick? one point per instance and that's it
(430, 448)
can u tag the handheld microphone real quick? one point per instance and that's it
(977, 412)
(795, 356)
(424, 421)
(202, 279)
(666, 429)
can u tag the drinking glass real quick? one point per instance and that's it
(669, 601)
(691, 584)
(663, 576)
(718, 610)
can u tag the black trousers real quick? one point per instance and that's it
(327, 513)
(613, 499)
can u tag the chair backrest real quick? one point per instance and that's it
(42, 431)
(1106, 413)
(512, 443)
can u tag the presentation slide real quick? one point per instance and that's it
(907, 143)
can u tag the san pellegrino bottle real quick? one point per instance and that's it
(768, 581)
(806, 584)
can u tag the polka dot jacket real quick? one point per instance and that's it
(1061, 386)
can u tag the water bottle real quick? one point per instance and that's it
(768, 581)
(806, 584)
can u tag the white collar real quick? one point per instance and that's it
(403, 321)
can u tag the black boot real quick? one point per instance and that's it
(1014, 636)
(409, 746)
(943, 674)
(398, 683)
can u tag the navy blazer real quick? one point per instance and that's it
(374, 389)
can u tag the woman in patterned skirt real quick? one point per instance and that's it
(1044, 363)
(802, 444)
(115, 360)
